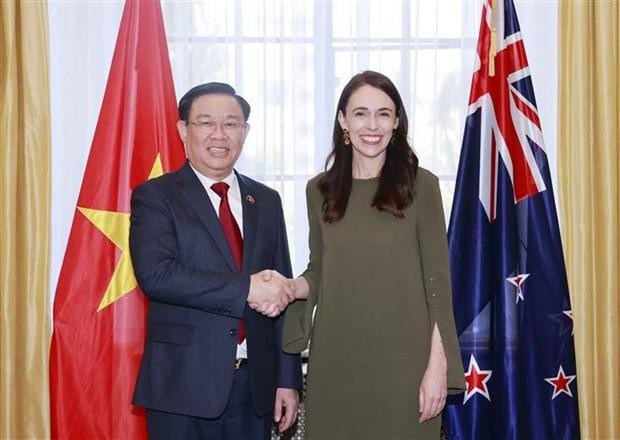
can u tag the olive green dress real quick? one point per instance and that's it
(380, 284)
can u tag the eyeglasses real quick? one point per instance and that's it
(208, 127)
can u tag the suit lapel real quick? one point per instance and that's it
(195, 193)
(250, 215)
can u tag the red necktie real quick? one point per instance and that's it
(233, 236)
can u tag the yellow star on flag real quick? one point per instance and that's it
(115, 226)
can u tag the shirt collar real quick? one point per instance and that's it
(231, 180)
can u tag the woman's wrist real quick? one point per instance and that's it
(301, 287)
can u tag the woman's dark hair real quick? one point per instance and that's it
(397, 178)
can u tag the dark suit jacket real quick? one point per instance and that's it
(183, 264)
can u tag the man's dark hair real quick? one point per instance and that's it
(212, 88)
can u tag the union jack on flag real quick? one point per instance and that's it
(510, 292)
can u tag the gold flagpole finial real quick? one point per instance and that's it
(493, 45)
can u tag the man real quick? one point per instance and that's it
(213, 365)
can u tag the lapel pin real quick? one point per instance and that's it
(250, 199)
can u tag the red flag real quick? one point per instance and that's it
(99, 313)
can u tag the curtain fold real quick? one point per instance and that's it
(24, 220)
(588, 131)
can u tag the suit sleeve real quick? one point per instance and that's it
(298, 326)
(436, 270)
(161, 275)
(289, 372)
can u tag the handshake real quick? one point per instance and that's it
(271, 292)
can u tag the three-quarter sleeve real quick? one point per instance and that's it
(298, 323)
(436, 269)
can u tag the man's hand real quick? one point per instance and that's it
(285, 411)
(270, 293)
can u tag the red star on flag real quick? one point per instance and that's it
(517, 281)
(560, 383)
(476, 380)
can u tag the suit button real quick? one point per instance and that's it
(233, 332)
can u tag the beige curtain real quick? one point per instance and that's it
(588, 132)
(24, 220)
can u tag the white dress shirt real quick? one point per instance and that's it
(234, 200)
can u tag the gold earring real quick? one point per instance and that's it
(345, 137)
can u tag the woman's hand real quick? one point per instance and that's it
(434, 385)
(301, 288)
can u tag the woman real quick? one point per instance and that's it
(384, 349)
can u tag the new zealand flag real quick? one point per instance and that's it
(511, 301)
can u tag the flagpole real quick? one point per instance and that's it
(493, 45)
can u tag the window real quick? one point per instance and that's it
(291, 60)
